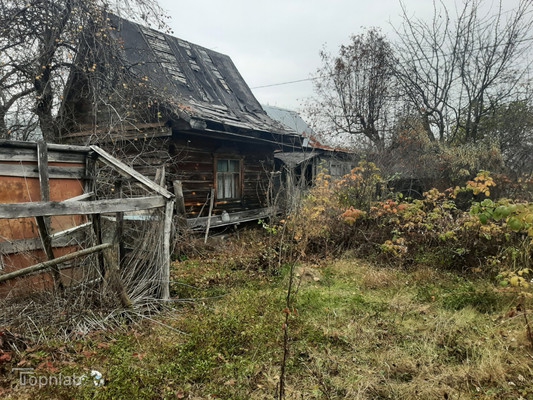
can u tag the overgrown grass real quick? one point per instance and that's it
(356, 332)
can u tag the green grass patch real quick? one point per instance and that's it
(356, 332)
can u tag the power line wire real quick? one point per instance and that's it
(286, 83)
(414, 59)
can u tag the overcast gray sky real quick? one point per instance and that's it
(277, 41)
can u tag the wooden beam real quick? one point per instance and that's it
(181, 214)
(67, 237)
(160, 176)
(119, 228)
(43, 223)
(97, 229)
(138, 130)
(180, 201)
(39, 208)
(89, 186)
(69, 231)
(24, 154)
(167, 230)
(51, 263)
(42, 167)
(32, 171)
(211, 202)
(51, 146)
(83, 196)
(235, 218)
(128, 171)
(112, 275)
(45, 237)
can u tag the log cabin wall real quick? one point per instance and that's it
(194, 162)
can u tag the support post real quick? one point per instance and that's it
(180, 205)
(111, 256)
(211, 203)
(167, 229)
(119, 231)
(43, 223)
(90, 187)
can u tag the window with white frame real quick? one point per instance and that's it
(338, 169)
(228, 176)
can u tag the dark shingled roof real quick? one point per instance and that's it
(205, 85)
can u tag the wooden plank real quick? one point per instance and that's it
(43, 223)
(69, 231)
(18, 154)
(54, 262)
(235, 218)
(83, 196)
(32, 171)
(51, 146)
(211, 202)
(64, 238)
(42, 166)
(167, 229)
(38, 208)
(180, 202)
(125, 170)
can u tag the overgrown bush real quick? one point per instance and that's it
(460, 228)
(411, 155)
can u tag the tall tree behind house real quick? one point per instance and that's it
(40, 42)
(456, 71)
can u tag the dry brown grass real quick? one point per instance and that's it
(358, 332)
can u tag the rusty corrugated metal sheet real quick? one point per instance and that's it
(14, 189)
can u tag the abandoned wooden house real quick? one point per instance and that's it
(188, 110)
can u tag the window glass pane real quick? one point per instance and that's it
(228, 187)
(228, 177)
(335, 170)
(220, 186)
(236, 185)
(234, 165)
(222, 165)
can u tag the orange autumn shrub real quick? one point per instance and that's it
(352, 213)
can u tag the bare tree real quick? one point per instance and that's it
(511, 126)
(39, 45)
(354, 89)
(455, 72)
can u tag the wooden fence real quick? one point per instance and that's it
(54, 203)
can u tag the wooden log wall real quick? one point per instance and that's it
(193, 163)
(190, 159)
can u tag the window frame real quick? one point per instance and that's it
(239, 187)
(342, 168)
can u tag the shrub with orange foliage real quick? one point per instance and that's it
(431, 230)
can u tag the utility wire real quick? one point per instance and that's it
(414, 59)
(286, 83)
